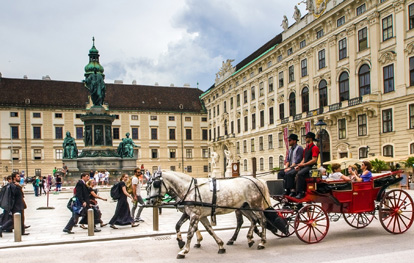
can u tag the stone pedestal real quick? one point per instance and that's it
(228, 172)
(216, 173)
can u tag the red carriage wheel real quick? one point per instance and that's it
(289, 214)
(359, 220)
(311, 224)
(396, 211)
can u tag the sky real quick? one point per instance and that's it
(159, 41)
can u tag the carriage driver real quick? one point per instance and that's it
(310, 157)
(294, 157)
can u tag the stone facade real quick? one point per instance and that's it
(351, 66)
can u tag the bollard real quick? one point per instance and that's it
(91, 222)
(155, 218)
(17, 218)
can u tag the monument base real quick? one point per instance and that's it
(228, 172)
(216, 173)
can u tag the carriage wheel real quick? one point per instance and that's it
(396, 211)
(289, 214)
(311, 224)
(359, 220)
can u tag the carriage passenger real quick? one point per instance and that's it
(352, 172)
(337, 175)
(366, 172)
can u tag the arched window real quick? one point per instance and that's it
(305, 99)
(344, 86)
(245, 165)
(281, 161)
(292, 104)
(271, 162)
(364, 80)
(323, 94)
(388, 150)
(412, 148)
(261, 164)
(363, 152)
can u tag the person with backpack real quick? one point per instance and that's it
(122, 214)
(36, 183)
(136, 184)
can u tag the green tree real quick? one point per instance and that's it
(379, 165)
(409, 163)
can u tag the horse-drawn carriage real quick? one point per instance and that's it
(357, 202)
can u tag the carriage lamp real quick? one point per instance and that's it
(321, 124)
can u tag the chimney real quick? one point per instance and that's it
(134, 82)
(25, 77)
(156, 84)
(47, 77)
(118, 82)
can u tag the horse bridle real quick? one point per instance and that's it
(157, 182)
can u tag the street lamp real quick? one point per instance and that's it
(321, 124)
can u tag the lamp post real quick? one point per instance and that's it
(321, 124)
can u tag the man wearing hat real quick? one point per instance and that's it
(295, 156)
(310, 157)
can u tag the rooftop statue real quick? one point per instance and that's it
(285, 23)
(297, 15)
(70, 151)
(126, 147)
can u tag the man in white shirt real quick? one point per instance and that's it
(137, 182)
(106, 179)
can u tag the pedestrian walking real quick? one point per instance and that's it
(122, 214)
(137, 182)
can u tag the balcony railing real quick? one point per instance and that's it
(285, 120)
(335, 106)
(297, 117)
(314, 112)
(354, 101)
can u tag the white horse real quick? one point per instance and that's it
(244, 193)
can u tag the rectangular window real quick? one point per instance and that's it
(341, 128)
(116, 116)
(244, 146)
(173, 154)
(203, 119)
(237, 147)
(253, 121)
(225, 106)
(261, 89)
(280, 139)
(302, 44)
(363, 153)
(342, 48)
(37, 115)
(79, 133)
(231, 103)
(261, 143)
(303, 135)
(253, 92)
(134, 117)
(58, 115)
(280, 79)
(411, 109)
(188, 153)
(238, 126)
(204, 134)
(172, 134)
(58, 133)
(289, 51)
(387, 121)
(154, 134)
(115, 133)
(271, 116)
(204, 153)
(189, 118)
(291, 74)
(134, 132)
(172, 168)
(37, 133)
(14, 114)
(260, 70)
(389, 78)
(262, 118)
(37, 154)
(14, 132)
(246, 124)
(362, 125)
(412, 71)
(154, 153)
(153, 118)
(205, 168)
(387, 31)
(238, 100)
(411, 16)
(281, 111)
(270, 84)
(363, 39)
(245, 96)
(252, 145)
(340, 21)
(232, 127)
(270, 141)
(189, 169)
(78, 115)
(59, 154)
(360, 9)
(319, 34)
(321, 58)
(188, 134)
(304, 67)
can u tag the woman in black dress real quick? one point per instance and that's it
(122, 214)
(97, 214)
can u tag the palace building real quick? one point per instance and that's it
(168, 124)
(347, 63)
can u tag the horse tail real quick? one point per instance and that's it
(266, 200)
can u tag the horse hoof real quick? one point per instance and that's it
(260, 247)
(180, 256)
(230, 243)
(197, 245)
(181, 244)
(222, 251)
(251, 243)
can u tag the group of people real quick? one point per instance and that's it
(300, 161)
(87, 196)
(100, 177)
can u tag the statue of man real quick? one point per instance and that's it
(126, 147)
(285, 23)
(96, 86)
(70, 150)
(214, 159)
(227, 153)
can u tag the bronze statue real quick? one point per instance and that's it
(70, 151)
(126, 147)
(96, 86)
